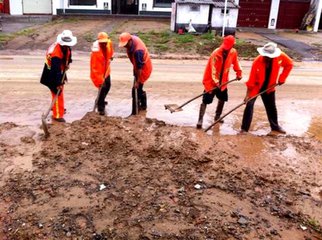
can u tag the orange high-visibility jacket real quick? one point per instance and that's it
(55, 51)
(52, 75)
(257, 74)
(147, 67)
(100, 67)
(214, 66)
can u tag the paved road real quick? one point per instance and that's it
(303, 49)
(23, 99)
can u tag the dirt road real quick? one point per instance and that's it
(140, 178)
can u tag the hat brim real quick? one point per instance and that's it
(122, 44)
(277, 52)
(60, 41)
(103, 41)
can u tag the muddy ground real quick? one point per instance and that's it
(139, 178)
(115, 177)
(154, 176)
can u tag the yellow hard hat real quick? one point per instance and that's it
(102, 37)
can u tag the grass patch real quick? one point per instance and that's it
(4, 38)
(89, 37)
(25, 32)
(185, 38)
(203, 44)
(314, 224)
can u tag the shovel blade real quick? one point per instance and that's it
(173, 108)
(44, 126)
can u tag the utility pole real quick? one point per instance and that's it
(224, 20)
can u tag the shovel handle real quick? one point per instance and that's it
(135, 100)
(52, 104)
(238, 106)
(223, 84)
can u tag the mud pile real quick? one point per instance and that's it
(137, 178)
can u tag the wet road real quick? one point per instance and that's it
(23, 99)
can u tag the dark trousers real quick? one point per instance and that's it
(141, 97)
(104, 91)
(271, 111)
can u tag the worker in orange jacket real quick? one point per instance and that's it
(217, 73)
(142, 65)
(265, 74)
(58, 58)
(100, 68)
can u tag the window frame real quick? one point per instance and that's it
(162, 5)
(69, 4)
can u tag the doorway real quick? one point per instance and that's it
(36, 6)
(125, 7)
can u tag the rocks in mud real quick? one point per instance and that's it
(137, 178)
(243, 221)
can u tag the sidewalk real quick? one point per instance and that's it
(307, 44)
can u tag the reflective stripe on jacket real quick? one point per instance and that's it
(55, 51)
(213, 69)
(257, 74)
(100, 68)
(147, 67)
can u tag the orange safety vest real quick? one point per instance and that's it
(55, 51)
(257, 73)
(100, 67)
(138, 44)
(213, 69)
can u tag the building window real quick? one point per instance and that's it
(223, 10)
(194, 7)
(162, 3)
(82, 2)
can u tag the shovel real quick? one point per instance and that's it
(44, 116)
(135, 102)
(175, 108)
(238, 106)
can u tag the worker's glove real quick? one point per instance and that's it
(239, 78)
(65, 80)
(216, 81)
(246, 98)
(280, 83)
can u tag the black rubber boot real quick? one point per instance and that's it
(143, 101)
(202, 111)
(220, 107)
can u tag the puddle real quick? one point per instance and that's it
(293, 116)
(12, 137)
(289, 152)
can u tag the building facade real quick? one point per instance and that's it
(270, 14)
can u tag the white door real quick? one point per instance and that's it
(36, 6)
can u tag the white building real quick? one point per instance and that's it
(252, 13)
(204, 14)
(101, 7)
